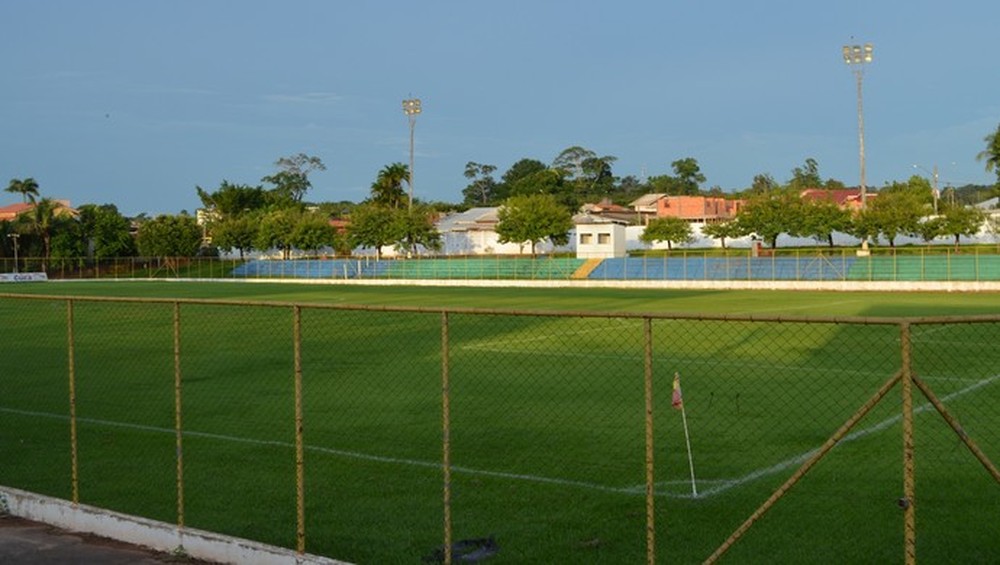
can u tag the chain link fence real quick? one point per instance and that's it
(381, 435)
(976, 264)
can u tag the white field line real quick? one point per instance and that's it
(726, 485)
(331, 451)
(722, 485)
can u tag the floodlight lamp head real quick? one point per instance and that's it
(847, 54)
(411, 107)
(868, 52)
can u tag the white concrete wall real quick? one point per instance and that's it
(147, 533)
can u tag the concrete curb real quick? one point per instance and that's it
(158, 536)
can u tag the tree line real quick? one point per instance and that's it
(536, 203)
(899, 209)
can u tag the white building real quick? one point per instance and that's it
(598, 237)
(473, 232)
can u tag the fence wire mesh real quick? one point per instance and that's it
(906, 264)
(537, 437)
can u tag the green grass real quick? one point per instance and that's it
(736, 302)
(547, 419)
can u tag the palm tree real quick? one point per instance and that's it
(27, 188)
(42, 218)
(387, 190)
(991, 155)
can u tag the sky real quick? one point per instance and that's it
(137, 102)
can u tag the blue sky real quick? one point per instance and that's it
(136, 102)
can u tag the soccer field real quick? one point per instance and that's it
(547, 418)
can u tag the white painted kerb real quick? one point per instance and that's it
(151, 534)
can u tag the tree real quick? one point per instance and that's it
(233, 200)
(892, 213)
(106, 232)
(533, 218)
(291, 182)
(769, 216)
(957, 220)
(387, 190)
(990, 155)
(688, 175)
(629, 185)
(41, 219)
(68, 240)
(585, 170)
(571, 161)
(27, 188)
(762, 184)
(414, 228)
(993, 227)
(547, 181)
(275, 230)
(519, 170)
(169, 236)
(482, 188)
(313, 232)
(721, 231)
(238, 233)
(597, 174)
(300, 164)
(819, 219)
(372, 226)
(665, 184)
(669, 229)
(806, 176)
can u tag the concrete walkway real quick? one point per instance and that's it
(23, 542)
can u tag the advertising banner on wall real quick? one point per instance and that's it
(23, 277)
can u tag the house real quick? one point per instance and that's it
(846, 198)
(473, 232)
(470, 232)
(645, 205)
(11, 212)
(607, 209)
(990, 206)
(340, 225)
(695, 209)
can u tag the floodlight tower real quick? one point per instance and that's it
(14, 237)
(857, 56)
(411, 107)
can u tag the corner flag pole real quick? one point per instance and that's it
(678, 403)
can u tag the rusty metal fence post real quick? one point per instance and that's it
(300, 499)
(178, 416)
(446, 435)
(908, 502)
(71, 355)
(647, 325)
